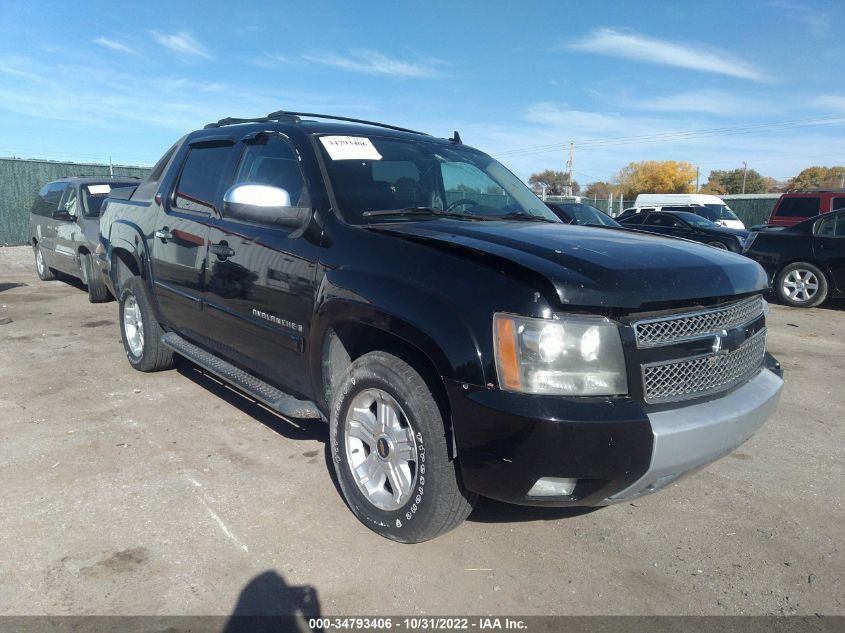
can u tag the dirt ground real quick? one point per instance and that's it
(130, 493)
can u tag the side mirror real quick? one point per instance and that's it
(263, 204)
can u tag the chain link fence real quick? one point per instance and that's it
(21, 179)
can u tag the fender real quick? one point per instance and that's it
(432, 324)
(126, 235)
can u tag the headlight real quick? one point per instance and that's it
(576, 356)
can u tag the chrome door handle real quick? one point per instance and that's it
(164, 234)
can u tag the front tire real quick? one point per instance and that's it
(140, 330)
(802, 285)
(98, 292)
(45, 273)
(389, 448)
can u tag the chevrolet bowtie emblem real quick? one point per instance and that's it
(719, 342)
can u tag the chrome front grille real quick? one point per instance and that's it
(682, 379)
(666, 330)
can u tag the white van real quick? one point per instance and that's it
(711, 207)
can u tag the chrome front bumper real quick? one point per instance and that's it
(692, 436)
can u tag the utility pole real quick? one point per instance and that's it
(111, 168)
(544, 191)
(569, 166)
(744, 175)
(696, 180)
(842, 179)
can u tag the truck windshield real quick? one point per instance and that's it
(93, 196)
(374, 173)
(716, 212)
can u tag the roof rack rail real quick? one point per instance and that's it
(262, 119)
(283, 113)
(295, 117)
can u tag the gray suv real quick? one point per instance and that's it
(64, 228)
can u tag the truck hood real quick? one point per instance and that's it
(591, 266)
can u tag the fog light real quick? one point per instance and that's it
(553, 487)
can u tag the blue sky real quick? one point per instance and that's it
(713, 83)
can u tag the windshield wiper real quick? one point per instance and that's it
(421, 211)
(519, 216)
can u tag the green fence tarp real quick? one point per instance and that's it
(21, 179)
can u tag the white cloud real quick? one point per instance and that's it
(717, 102)
(115, 46)
(694, 56)
(834, 103)
(375, 63)
(183, 43)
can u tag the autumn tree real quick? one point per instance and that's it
(601, 189)
(651, 176)
(556, 182)
(730, 181)
(818, 177)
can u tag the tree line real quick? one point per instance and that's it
(670, 176)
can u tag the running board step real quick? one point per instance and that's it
(277, 400)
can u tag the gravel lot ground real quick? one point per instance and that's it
(130, 493)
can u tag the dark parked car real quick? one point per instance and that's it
(580, 213)
(719, 214)
(64, 229)
(688, 226)
(456, 336)
(805, 262)
(792, 208)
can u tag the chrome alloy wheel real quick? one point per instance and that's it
(39, 261)
(800, 285)
(133, 326)
(381, 451)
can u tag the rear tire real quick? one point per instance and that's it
(45, 273)
(140, 330)
(98, 292)
(389, 448)
(802, 285)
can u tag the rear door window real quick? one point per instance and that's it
(833, 226)
(200, 187)
(47, 201)
(149, 187)
(837, 203)
(635, 219)
(663, 220)
(798, 207)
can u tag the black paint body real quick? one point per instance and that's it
(433, 285)
(806, 241)
(731, 239)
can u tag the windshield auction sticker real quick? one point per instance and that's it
(350, 148)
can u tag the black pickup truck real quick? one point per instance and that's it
(458, 339)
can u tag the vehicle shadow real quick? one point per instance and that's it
(485, 511)
(833, 304)
(491, 511)
(268, 603)
(291, 429)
